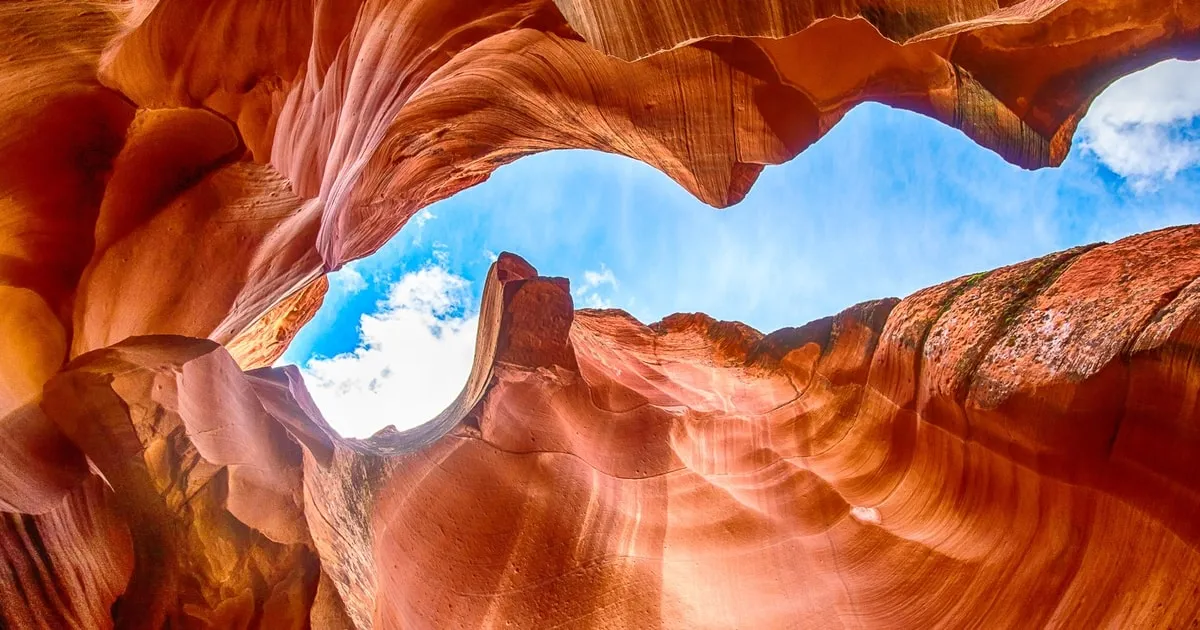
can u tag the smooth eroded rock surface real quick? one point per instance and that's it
(1010, 449)
(987, 450)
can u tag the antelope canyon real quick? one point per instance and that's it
(1009, 449)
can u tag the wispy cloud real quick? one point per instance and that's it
(441, 253)
(1146, 127)
(423, 217)
(416, 225)
(886, 203)
(595, 279)
(349, 279)
(589, 292)
(414, 354)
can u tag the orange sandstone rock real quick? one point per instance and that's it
(1012, 449)
(207, 482)
(296, 136)
(898, 465)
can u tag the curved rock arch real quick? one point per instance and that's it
(178, 171)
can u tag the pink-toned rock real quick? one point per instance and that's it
(1012, 449)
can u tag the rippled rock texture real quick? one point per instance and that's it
(1011, 449)
(1007, 450)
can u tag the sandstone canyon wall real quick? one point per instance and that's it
(1011, 449)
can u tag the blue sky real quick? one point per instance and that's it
(886, 203)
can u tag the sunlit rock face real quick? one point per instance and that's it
(1008, 450)
(1000, 449)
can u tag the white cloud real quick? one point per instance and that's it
(595, 301)
(349, 279)
(418, 224)
(413, 357)
(423, 217)
(588, 291)
(441, 253)
(1137, 126)
(594, 279)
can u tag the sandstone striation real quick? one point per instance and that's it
(1011, 449)
(985, 451)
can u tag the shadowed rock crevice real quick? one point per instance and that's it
(1010, 449)
(550, 509)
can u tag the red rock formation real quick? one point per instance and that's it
(207, 482)
(176, 177)
(990, 450)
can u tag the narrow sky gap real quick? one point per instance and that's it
(886, 203)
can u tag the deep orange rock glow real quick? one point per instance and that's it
(1011, 449)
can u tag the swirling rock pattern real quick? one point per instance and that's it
(1009, 450)
(987, 451)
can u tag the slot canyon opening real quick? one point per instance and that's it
(887, 202)
(1013, 447)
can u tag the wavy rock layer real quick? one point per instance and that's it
(296, 135)
(176, 177)
(1011, 449)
